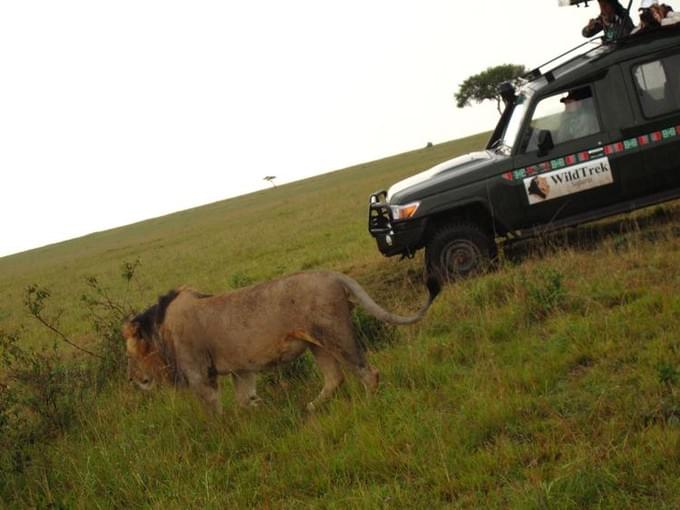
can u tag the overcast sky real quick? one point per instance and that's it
(113, 112)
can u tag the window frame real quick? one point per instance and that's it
(524, 145)
(634, 66)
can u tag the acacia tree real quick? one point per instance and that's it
(270, 179)
(484, 85)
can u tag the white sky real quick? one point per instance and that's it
(113, 112)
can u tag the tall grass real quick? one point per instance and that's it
(550, 382)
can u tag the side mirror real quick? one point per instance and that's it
(507, 92)
(545, 142)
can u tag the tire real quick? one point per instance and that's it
(459, 250)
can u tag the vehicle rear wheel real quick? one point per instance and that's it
(459, 250)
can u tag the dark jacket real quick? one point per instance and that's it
(620, 26)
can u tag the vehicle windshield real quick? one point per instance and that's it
(507, 141)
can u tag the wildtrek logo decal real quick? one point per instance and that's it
(566, 181)
(580, 157)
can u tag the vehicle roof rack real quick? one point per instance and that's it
(536, 73)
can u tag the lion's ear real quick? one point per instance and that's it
(130, 329)
(134, 340)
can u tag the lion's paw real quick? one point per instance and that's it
(254, 401)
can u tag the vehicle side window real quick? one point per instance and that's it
(568, 116)
(657, 86)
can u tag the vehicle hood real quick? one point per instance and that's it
(446, 170)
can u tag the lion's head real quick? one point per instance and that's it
(146, 365)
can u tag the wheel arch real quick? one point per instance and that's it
(477, 212)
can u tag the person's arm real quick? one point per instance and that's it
(592, 28)
(671, 18)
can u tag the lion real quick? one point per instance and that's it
(189, 339)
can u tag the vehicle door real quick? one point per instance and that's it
(654, 87)
(561, 168)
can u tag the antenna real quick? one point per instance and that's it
(567, 3)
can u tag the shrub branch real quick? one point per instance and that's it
(35, 302)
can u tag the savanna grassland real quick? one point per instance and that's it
(552, 381)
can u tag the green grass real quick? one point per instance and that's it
(551, 382)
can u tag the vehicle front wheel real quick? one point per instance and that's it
(459, 250)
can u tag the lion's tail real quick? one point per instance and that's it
(367, 302)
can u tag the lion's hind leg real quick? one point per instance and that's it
(341, 340)
(332, 375)
(365, 372)
(370, 377)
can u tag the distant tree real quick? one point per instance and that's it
(484, 85)
(270, 179)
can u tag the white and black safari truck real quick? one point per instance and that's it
(597, 135)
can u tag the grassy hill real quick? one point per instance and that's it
(552, 382)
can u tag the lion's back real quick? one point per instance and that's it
(255, 325)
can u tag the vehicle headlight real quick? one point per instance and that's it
(404, 212)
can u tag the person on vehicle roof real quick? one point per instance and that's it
(613, 20)
(648, 20)
(664, 14)
(654, 15)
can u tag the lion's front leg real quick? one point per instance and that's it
(245, 388)
(206, 389)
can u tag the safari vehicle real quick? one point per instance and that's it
(594, 136)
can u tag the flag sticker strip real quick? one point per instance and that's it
(668, 133)
(598, 152)
(630, 144)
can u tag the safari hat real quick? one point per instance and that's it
(576, 95)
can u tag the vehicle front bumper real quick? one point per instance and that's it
(400, 238)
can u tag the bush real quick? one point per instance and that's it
(7, 394)
(44, 391)
(14, 432)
